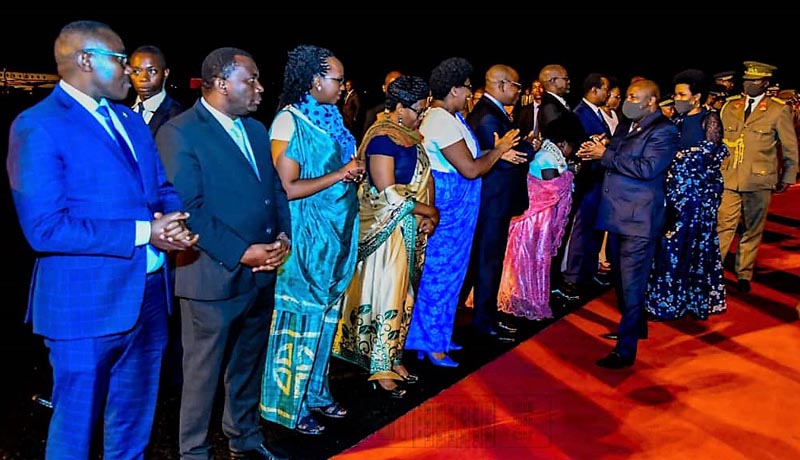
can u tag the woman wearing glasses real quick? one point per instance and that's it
(314, 155)
(397, 215)
(453, 152)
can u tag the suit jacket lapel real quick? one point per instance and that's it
(224, 140)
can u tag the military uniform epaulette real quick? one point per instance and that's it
(778, 100)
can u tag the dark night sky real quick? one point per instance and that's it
(371, 43)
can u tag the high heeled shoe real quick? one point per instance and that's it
(444, 362)
(394, 393)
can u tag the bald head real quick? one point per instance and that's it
(390, 77)
(555, 79)
(80, 35)
(91, 57)
(502, 82)
(644, 90)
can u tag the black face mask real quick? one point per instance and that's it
(753, 89)
(633, 111)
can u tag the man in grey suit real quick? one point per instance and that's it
(632, 207)
(218, 159)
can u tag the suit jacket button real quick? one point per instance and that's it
(605, 190)
(269, 231)
(266, 202)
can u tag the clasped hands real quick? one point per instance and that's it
(593, 149)
(168, 232)
(265, 257)
(506, 144)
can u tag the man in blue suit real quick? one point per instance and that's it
(504, 194)
(94, 203)
(632, 207)
(219, 159)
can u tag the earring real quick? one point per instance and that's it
(399, 119)
(319, 87)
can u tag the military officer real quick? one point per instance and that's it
(725, 79)
(754, 126)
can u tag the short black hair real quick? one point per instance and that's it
(155, 51)
(593, 80)
(305, 61)
(220, 63)
(451, 72)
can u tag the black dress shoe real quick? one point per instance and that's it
(568, 291)
(259, 453)
(615, 361)
(610, 336)
(505, 327)
(601, 280)
(743, 286)
(494, 334)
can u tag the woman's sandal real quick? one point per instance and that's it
(333, 410)
(309, 425)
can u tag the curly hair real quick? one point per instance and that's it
(220, 63)
(697, 81)
(305, 61)
(407, 90)
(451, 72)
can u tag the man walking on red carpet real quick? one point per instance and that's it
(632, 207)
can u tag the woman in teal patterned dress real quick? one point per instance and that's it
(314, 155)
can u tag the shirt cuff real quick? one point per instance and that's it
(142, 232)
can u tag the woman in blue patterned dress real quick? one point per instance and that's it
(687, 272)
(455, 163)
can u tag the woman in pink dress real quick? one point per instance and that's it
(534, 237)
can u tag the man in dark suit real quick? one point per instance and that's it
(90, 192)
(149, 77)
(149, 74)
(581, 256)
(351, 109)
(554, 106)
(504, 194)
(218, 158)
(632, 207)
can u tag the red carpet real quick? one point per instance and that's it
(726, 388)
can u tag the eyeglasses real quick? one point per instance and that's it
(418, 112)
(340, 80)
(121, 58)
(513, 83)
(559, 78)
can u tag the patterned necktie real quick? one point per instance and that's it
(239, 133)
(749, 108)
(123, 145)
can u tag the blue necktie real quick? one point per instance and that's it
(603, 121)
(238, 133)
(123, 145)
